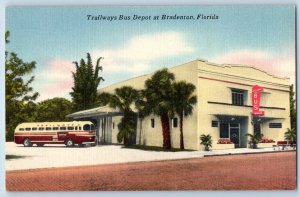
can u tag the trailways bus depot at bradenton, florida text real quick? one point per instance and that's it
(232, 100)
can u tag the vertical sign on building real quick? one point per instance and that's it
(256, 95)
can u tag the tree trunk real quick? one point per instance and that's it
(125, 140)
(181, 131)
(166, 130)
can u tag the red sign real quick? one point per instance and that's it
(256, 93)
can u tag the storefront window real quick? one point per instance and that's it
(224, 130)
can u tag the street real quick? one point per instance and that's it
(263, 171)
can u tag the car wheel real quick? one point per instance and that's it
(27, 142)
(69, 143)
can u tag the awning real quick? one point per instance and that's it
(99, 111)
(262, 119)
(226, 117)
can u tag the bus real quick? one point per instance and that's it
(68, 133)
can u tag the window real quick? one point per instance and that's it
(224, 130)
(48, 128)
(34, 129)
(63, 128)
(55, 128)
(152, 123)
(175, 122)
(275, 125)
(113, 125)
(76, 128)
(41, 129)
(92, 127)
(21, 129)
(79, 128)
(28, 129)
(70, 128)
(237, 97)
(87, 127)
(214, 123)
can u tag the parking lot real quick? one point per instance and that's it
(51, 156)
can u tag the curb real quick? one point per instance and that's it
(248, 153)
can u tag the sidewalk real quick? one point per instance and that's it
(239, 151)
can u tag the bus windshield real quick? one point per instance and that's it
(87, 127)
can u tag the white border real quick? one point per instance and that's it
(4, 3)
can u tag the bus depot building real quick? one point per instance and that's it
(224, 109)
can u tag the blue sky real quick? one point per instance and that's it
(54, 37)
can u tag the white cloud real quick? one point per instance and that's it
(133, 57)
(56, 80)
(279, 64)
(136, 55)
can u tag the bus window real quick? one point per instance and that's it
(63, 128)
(34, 128)
(41, 129)
(76, 128)
(87, 127)
(79, 128)
(21, 129)
(70, 128)
(48, 128)
(55, 128)
(92, 127)
(28, 129)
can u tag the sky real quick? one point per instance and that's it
(54, 37)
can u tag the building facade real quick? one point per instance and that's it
(223, 110)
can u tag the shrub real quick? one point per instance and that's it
(225, 141)
(266, 141)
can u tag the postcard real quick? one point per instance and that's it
(147, 98)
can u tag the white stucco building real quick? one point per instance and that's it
(223, 109)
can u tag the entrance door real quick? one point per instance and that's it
(235, 134)
(257, 128)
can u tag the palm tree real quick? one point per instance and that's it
(206, 141)
(183, 103)
(103, 99)
(86, 81)
(123, 99)
(290, 135)
(158, 96)
(254, 139)
(143, 111)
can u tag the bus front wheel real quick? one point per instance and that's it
(27, 142)
(69, 143)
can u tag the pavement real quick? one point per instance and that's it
(268, 171)
(53, 156)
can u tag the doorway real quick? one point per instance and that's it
(234, 130)
(231, 131)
